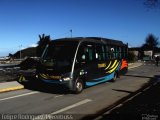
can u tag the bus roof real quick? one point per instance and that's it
(94, 39)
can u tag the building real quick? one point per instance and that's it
(144, 54)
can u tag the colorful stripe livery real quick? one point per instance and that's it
(110, 69)
(46, 76)
(21, 78)
(113, 66)
(124, 64)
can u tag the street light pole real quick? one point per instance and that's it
(20, 51)
(71, 33)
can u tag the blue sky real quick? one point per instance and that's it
(21, 21)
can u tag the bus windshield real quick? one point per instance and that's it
(60, 54)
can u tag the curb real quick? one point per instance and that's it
(11, 89)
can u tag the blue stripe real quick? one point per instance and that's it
(100, 80)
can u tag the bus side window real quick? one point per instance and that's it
(107, 52)
(81, 56)
(123, 53)
(100, 53)
(89, 53)
(119, 53)
(85, 53)
(111, 53)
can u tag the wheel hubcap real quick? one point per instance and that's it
(79, 86)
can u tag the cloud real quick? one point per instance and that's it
(33, 45)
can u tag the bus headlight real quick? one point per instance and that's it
(66, 78)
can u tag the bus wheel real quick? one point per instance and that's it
(115, 77)
(79, 86)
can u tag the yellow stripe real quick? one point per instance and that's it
(108, 65)
(113, 68)
(23, 78)
(41, 75)
(20, 79)
(44, 76)
(114, 63)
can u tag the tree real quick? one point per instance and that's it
(131, 56)
(44, 40)
(140, 54)
(10, 55)
(151, 42)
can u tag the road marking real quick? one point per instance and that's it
(133, 96)
(147, 88)
(72, 106)
(120, 105)
(58, 96)
(31, 93)
(117, 106)
(45, 116)
(155, 83)
(134, 67)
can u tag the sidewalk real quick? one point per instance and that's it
(134, 65)
(14, 85)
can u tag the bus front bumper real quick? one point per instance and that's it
(66, 82)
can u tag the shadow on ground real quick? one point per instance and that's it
(145, 106)
(47, 88)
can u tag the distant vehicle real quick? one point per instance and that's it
(81, 62)
(147, 58)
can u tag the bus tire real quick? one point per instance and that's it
(79, 86)
(115, 77)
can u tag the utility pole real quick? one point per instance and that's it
(20, 52)
(71, 33)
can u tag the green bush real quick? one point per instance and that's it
(131, 57)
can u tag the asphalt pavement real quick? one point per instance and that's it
(145, 106)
